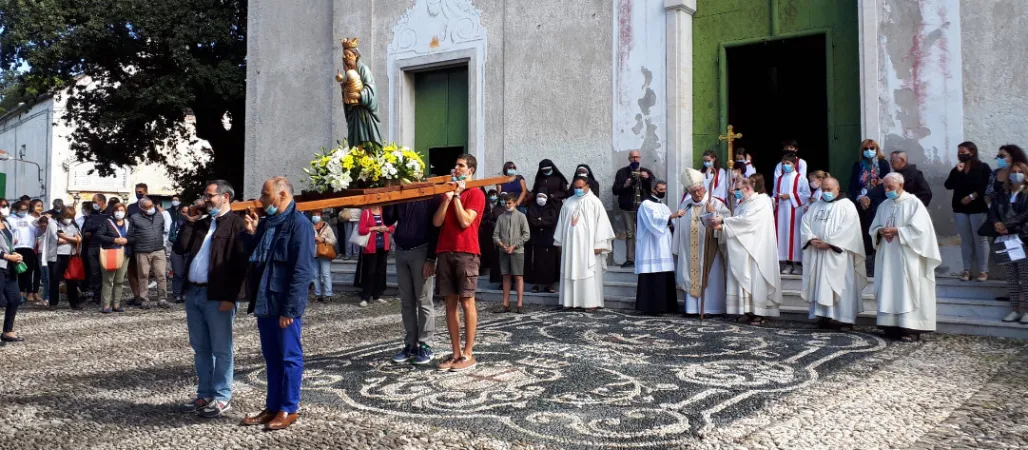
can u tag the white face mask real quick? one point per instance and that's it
(66, 221)
(119, 215)
(814, 186)
(151, 212)
(176, 203)
(541, 201)
(5, 211)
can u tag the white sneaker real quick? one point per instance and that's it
(1024, 319)
(1012, 317)
(364, 303)
(380, 300)
(152, 285)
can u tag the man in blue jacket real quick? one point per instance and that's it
(281, 270)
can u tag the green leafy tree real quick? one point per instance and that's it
(153, 63)
(12, 92)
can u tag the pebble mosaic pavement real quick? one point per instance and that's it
(546, 380)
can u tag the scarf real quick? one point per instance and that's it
(869, 172)
(260, 254)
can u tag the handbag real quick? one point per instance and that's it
(324, 249)
(358, 239)
(21, 267)
(111, 259)
(76, 271)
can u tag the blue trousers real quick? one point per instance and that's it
(283, 356)
(210, 335)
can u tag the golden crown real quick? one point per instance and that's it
(350, 43)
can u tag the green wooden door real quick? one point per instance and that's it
(441, 116)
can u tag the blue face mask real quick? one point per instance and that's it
(828, 196)
(869, 154)
(315, 219)
(891, 195)
(458, 178)
(512, 172)
(140, 196)
(1001, 163)
(215, 212)
(787, 168)
(579, 192)
(270, 211)
(493, 198)
(22, 214)
(738, 194)
(708, 164)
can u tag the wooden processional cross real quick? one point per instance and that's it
(730, 138)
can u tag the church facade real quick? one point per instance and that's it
(587, 81)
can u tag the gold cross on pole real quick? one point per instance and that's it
(730, 138)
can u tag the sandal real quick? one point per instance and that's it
(759, 321)
(910, 338)
(535, 289)
(744, 319)
(502, 309)
(551, 290)
(519, 310)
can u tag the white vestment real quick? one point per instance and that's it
(689, 243)
(790, 213)
(653, 239)
(750, 170)
(717, 182)
(905, 267)
(833, 282)
(754, 284)
(582, 228)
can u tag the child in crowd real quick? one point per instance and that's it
(816, 178)
(790, 194)
(510, 235)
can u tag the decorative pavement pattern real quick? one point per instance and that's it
(546, 380)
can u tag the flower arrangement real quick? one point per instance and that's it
(367, 166)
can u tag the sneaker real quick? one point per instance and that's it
(180, 299)
(105, 311)
(118, 309)
(404, 356)
(380, 300)
(215, 409)
(320, 299)
(797, 270)
(195, 406)
(136, 301)
(628, 264)
(152, 285)
(146, 305)
(519, 310)
(447, 364)
(966, 276)
(1024, 319)
(164, 304)
(984, 276)
(423, 355)
(464, 363)
(1014, 316)
(502, 309)
(364, 303)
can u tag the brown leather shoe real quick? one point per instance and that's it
(281, 421)
(261, 418)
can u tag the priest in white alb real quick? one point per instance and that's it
(689, 243)
(654, 263)
(833, 252)
(907, 254)
(585, 236)
(754, 286)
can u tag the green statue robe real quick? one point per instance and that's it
(362, 118)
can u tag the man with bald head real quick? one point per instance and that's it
(632, 185)
(833, 251)
(914, 182)
(146, 231)
(281, 270)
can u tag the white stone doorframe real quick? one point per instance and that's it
(679, 94)
(867, 17)
(401, 94)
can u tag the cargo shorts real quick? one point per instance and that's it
(457, 274)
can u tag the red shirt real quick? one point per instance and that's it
(453, 238)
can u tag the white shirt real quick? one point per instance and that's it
(200, 267)
(167, 225)
(24, 230)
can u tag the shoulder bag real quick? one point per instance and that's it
(356, 238)
(324, 249)
(111, 259)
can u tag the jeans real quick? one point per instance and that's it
(349, 249)
(629, 217)
(210, 335)
(113, 285)
(159, 263)
(416, 291)
(970, 242)
(57, 269)
(28, 281)
(283, 356)
(323, 277)
(44, 272)
(178, 270)
(9, 290)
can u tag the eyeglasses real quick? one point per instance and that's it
(207, 196)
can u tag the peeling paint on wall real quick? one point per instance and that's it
(640, 82)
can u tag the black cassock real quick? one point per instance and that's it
(542, 258)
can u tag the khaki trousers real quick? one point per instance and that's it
(157, 261)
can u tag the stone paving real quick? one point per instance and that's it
(546, 380)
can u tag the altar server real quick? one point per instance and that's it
(585, 237)
(654, 262)
(791, 194)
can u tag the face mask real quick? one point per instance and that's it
(787, 168)
(140, 196)
(66, 221)
(579, 192)
(493, 198)
(964, 158)
(151, 211)
(547, 171)
(456, 177)
(270, 211)
(869, 154)
(5, 211)
(828, 196)
(660, 195)
(119, 215)
(215, 212)
(59, 210)
(814, 186)
(512, 172)
(634, 165)
(708, 164)
(738, 194)
(39, 209)
(740, 162)
(509, 208)
(22, 214)
(1001, 163)
(541, 201)
(96, 206)
(891, 195)
(1017, 178)
(176, 203)
(316, 219)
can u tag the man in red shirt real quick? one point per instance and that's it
(457, 260)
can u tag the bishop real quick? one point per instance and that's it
(690, 243)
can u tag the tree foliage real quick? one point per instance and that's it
(152, 63)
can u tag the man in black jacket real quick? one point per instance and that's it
(90, 228)
(915, 182)
(216, 261)
(147, 231)
(632, 185)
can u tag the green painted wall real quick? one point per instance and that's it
(722, 21)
